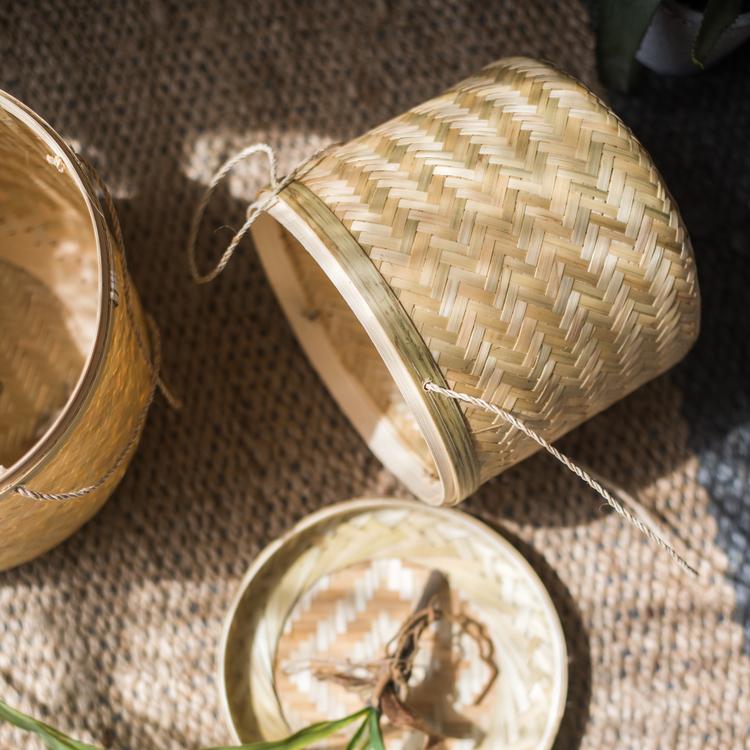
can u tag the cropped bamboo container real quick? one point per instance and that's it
(510, 239)
(75, 376)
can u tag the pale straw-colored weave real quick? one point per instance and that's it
(530, 242)
(112, 636)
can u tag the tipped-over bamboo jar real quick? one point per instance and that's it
(510, 239)
(74, 386)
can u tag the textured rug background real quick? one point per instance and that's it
(112, 636)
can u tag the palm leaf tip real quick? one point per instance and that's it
(305, 737)
(52, 738)
(717, 18)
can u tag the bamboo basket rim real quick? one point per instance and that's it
(373, 504)
(43, 449)
(391, 331)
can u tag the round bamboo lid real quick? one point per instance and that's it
(328, 598)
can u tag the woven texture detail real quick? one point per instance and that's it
(529, 237)
(112, 636)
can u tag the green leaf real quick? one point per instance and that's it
(357, 742)
(622, 26)
(54, 739)
(307, 736)
(717, 18)
(376, 736)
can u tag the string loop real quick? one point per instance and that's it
(254, 210)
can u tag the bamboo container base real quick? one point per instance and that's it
(335, 590)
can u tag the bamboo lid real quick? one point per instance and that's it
(333, 592)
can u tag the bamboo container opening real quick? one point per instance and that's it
(51, 289)
(348, 360)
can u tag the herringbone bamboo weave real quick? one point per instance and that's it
(527, 239)
(73, 381)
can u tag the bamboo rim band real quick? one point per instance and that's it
(150, 353)
(393, 334)
(267, 200)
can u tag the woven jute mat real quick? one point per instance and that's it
(112, 636)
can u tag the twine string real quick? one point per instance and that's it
(263, 203)
(402, 650)
(152, 359)
(645, 528)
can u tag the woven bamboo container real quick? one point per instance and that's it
(74, 386)
(510, 239)
(336, 588)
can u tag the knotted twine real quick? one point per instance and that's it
(388, 679)
(644, 524)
